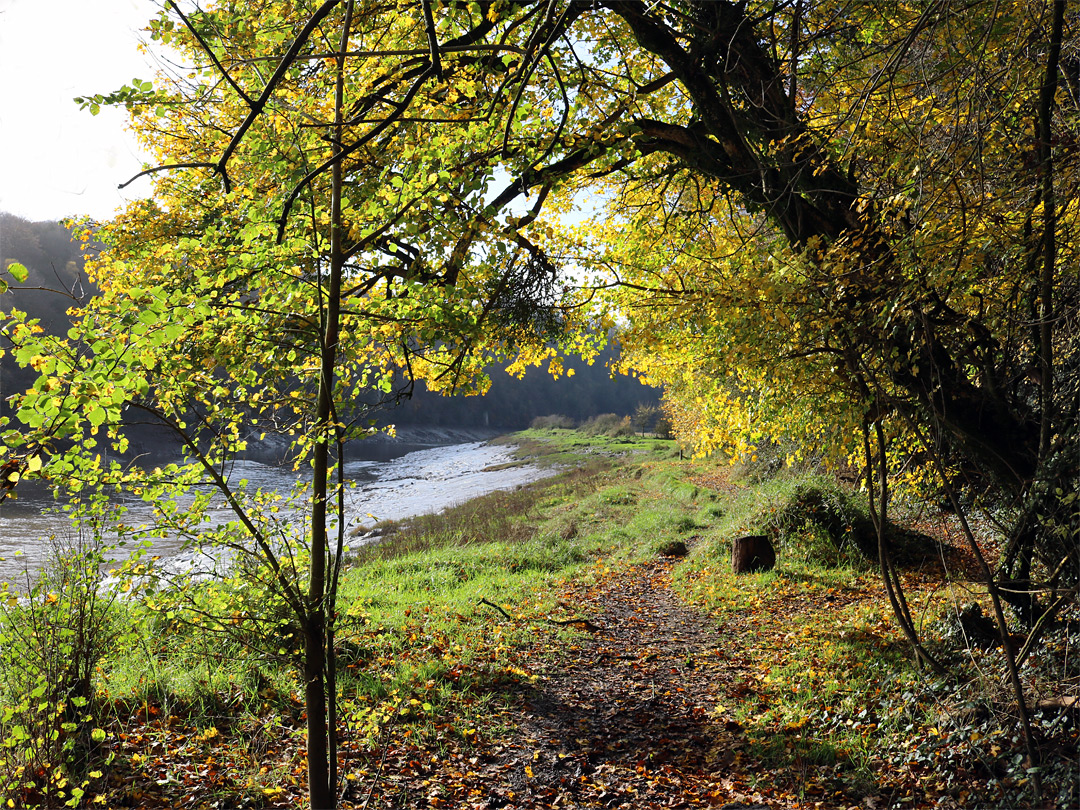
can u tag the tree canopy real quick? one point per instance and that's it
(815, 222)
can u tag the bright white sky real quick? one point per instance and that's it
(56, 161)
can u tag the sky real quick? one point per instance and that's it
(55, 160)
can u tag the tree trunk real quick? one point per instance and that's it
(320, 792)
(322, 754)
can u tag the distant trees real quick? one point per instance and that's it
(511, 404)
(54, 258)
(55, 282)
(646, 416)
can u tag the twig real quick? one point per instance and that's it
(493, 605)
(382, 759)
(585, 623)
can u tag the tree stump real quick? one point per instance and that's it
(752, 553)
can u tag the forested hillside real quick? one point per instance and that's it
(513, 403)
(56, 282)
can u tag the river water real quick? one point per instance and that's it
(419, 482)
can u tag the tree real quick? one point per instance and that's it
(303, 244)
(888, 244)
(844, 223)
(890, 268)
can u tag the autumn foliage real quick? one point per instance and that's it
(833, 232)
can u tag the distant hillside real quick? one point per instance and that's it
(56, 282)
(513, 403)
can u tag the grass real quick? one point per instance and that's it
(427, 654)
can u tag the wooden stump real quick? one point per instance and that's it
(752, 553)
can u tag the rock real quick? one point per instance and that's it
(752, 553)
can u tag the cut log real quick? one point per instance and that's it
(752, 553)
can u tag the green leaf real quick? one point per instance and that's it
(18, 272)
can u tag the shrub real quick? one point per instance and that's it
(551, 422)
(829, 516)
(608, 424)
(51, 640)
(663, 428)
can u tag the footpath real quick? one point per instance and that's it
(627, 714)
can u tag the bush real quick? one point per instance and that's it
(608, 424)
(551, 422)
(51, 640)
(663, 427)
(826, 513)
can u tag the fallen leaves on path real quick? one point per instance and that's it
(658, 704)
(622, 717)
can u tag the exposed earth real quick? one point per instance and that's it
(627, 714)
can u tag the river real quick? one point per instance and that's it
(418, 482)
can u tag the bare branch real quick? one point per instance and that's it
(209, 52)
(168, 166)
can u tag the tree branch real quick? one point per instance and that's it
(209, 52)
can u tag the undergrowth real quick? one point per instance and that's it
(446, 621)
(834, 689)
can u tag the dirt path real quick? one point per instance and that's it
(625, 716)
(628, 718)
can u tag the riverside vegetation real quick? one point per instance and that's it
(549, 646)
(846, 228)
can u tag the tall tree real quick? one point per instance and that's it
(837, 221)
(318, 228)
(865, 197)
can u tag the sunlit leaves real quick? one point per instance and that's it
(18, 272)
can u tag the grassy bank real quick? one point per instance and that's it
(445, 625)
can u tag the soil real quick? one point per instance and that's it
(627, 715)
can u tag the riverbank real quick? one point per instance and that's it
(548, 646)
(423, 471)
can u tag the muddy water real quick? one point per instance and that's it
(418, 482)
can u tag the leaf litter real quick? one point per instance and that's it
(627, 696)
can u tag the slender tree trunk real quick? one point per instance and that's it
(320, 793)
(889, 577)
(1046, 191)
(322, 771)
(1012, 669)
